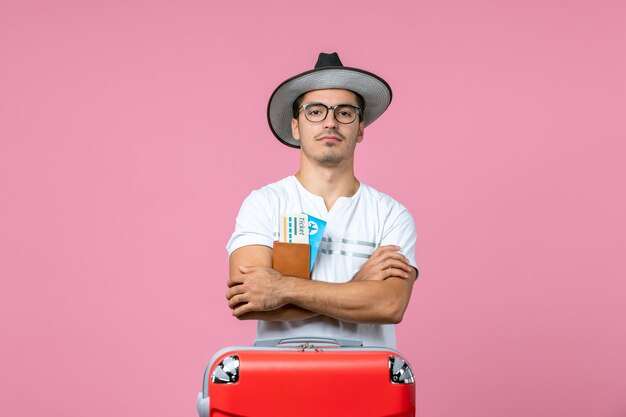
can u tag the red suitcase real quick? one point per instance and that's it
(307, 377)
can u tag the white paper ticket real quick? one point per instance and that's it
(294, 228)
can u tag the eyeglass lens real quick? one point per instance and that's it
(316, 112)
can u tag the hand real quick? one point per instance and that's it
(385, 262)
(255, 289)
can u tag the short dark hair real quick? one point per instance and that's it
(298, 102)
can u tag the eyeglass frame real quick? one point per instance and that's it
(328, 108)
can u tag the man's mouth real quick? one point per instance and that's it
(330, 138)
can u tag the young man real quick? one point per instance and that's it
(365, 269)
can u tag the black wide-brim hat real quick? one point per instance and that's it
(328, 73)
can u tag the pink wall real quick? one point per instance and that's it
(131, 131)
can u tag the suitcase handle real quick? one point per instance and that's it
(307, 339)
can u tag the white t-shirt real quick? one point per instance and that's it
(356, 226)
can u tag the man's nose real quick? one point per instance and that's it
(330, 122)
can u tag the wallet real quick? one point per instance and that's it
(292, 259)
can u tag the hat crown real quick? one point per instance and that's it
(328, 60)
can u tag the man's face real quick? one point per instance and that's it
(328, 142)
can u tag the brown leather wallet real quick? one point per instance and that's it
(292, 259)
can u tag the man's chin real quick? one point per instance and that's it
(327, 156)
(329, 160)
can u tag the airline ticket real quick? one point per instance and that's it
(294, 228)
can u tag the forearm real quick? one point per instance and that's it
(287, 312)
(358, 302)
(379, 293)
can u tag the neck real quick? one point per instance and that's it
(328, 183)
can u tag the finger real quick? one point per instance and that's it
(382, 250)
(387, 248)
(395, 263)
(389, 273)
(242, 309)
(397, 273)
(237, 299)
(395, 255)
(389, 263)
(233, 291)
(401, 263)
(235, 280)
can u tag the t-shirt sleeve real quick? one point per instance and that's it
(401, 231)
(253, 225)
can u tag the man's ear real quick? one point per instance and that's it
(295, 131)
(359, 137)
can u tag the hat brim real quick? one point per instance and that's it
(375, 92)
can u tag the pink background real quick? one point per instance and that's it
(132, 130)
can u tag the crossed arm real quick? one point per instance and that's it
(378, 293)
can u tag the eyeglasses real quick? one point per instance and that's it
(344, 113)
